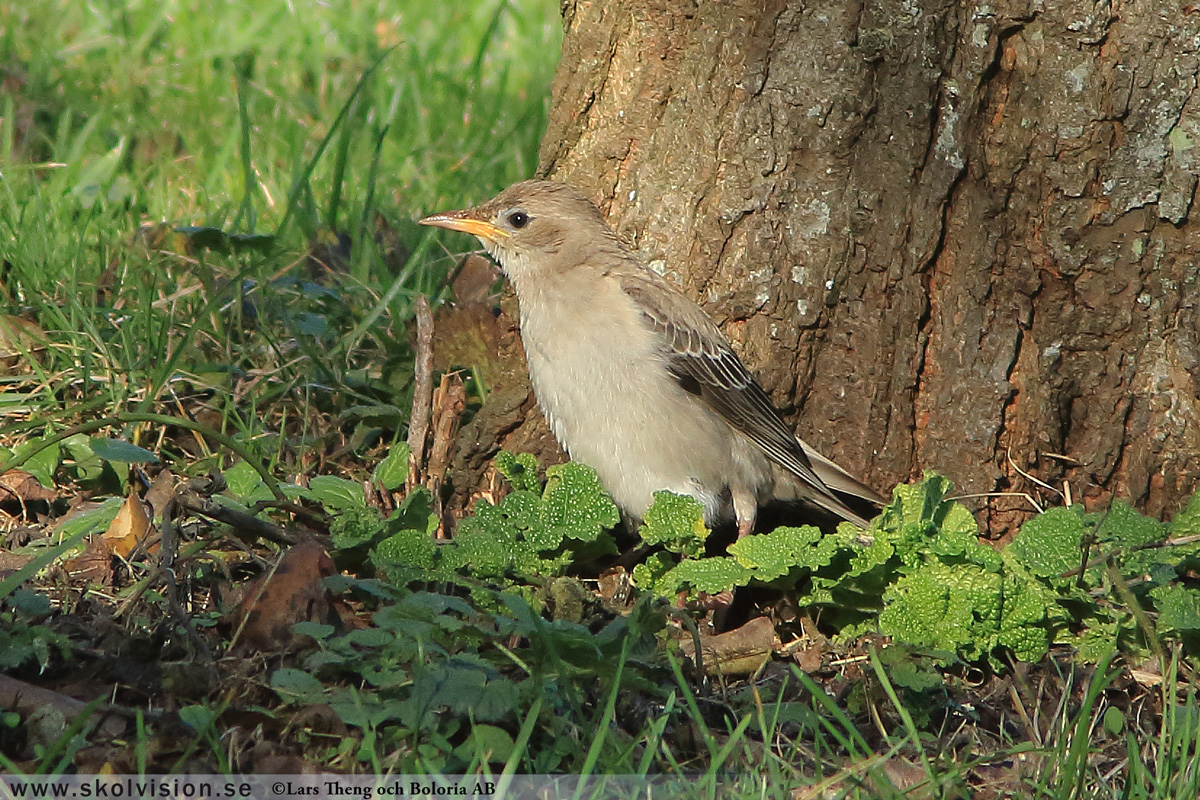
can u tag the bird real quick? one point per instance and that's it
(634, 378)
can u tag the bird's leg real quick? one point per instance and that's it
(745, 510)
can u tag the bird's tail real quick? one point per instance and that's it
(841, 484)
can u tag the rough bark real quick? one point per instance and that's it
(952, 236)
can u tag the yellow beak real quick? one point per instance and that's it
(467, 222)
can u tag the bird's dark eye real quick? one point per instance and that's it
(518, 219)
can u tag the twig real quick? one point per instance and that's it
(1173, 542)
(231, 516)
(1025, 495)
(450, 401)
(26, 698)
(418, 419)
(1027, 476)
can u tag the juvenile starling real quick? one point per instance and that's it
(635, 379)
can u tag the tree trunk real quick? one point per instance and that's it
(950, 236)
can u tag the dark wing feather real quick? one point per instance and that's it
(704, 364)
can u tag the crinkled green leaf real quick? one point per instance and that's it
(480, 545)
(648, 576)
(1097, 641)
(711, 575)
(1024, 621)
(1187, 521)
(1178, 608)
(355, 525)
(519, 469)
(575, 505)
(867, 557)
(520, 511)
(772, 555)
(1124, 527)
(414, 548)
(1050, 543)
(676, 522)
(952, 608)
(914, 676)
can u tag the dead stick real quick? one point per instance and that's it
(238, 519)
(449, 403)
(418, 419)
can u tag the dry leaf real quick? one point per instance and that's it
(94, 565)
(161, 490)
(736, 652)
(129, 526)
(271, 605)
(17, 484)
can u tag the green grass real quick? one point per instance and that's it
(324, 129)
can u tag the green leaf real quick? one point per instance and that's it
(415, 511)
(335, 493)
(955, 608)
(317, 630)
(355, 525)
(1178, 608)
(198, 718)
(42, 464)
(772, 555)
(1114, 721)
(487, 743)
(1125, 527)
(575, 505)
(649, 575)
(392, 472)
(90, 520)
(245, 484)
(88, 465)
(414, 548)
(297, 686)
(519, 469)
(675, 521)
(1050, 543)
(481, 544)
(711, 575)
(1187, 521)
(121, 450)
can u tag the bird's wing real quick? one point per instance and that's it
(703, 363)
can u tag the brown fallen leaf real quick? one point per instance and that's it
(737, 652)
(160, 491)
(294, 592)
(616, 586)
(20, 486)
(93, 566)
(129, 526)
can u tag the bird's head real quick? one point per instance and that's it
(534, 227)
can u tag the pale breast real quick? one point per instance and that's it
(599, 379)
